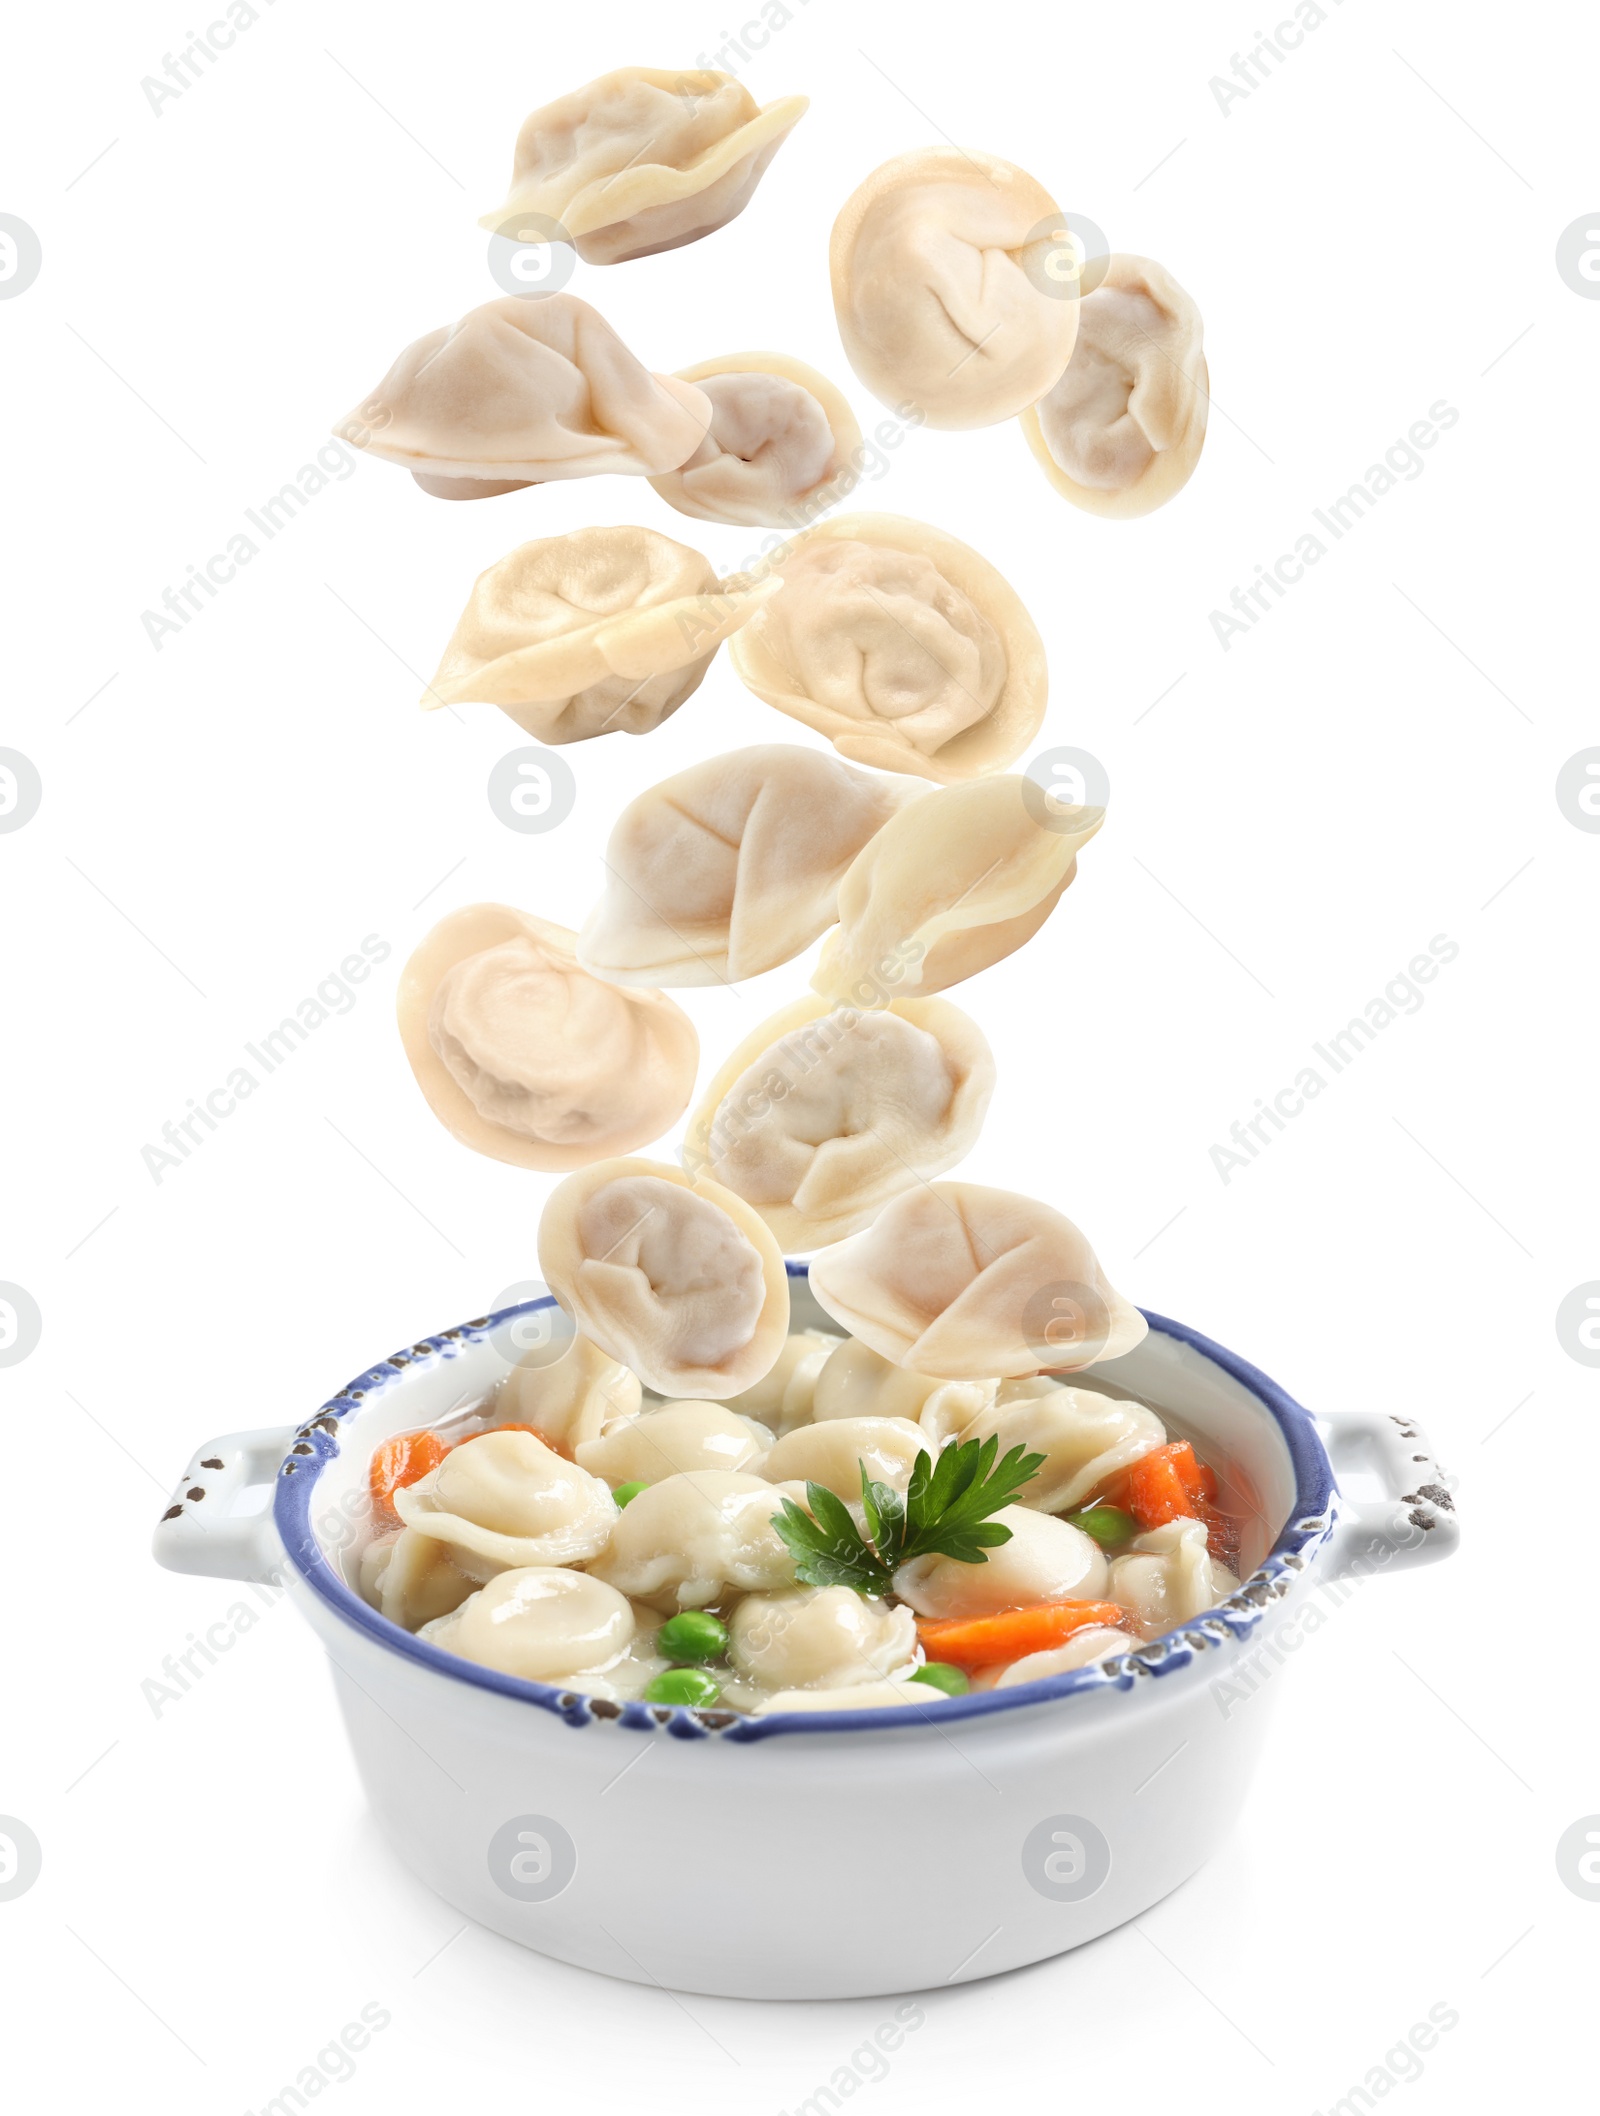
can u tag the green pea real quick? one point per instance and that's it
(683, 1686)
(625, 1492)
(1108, 1525)
(939, 1675)
(692, 1636)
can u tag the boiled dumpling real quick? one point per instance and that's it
(570, 1397)
(678, 1279)
(683, 1543)
(961, 1281)
(678, 1436)
(505, 1500)
(1168, 1576)
(822, 1115)
(941, 284)
(540, 1622)
(1082, 1650)
(819, 1638)
(1122, 430)
(1046, 1560)
(525, 1056)
(731, 867)
(950, 885)
(855, 1697)
(520, 391)
(411, 1578)
(857, 1382)
(1084, 1437)
(596, 632)
(834, 1455)
(901, 645)
(641, 160)
(780, 448)
(782, 1398)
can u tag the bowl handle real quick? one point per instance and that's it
(199, 1532)
(1415, 1520)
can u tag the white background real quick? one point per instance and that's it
(1370, 231)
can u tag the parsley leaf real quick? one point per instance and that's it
(943, 1512)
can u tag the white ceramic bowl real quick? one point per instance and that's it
(815, 1855)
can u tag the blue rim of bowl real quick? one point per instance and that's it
(1315, 1509)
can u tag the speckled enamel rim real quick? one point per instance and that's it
(1315, 1509)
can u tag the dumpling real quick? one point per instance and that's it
(685, 1542)
(643, 159)
(901, 645)
(950, 885)
(780, 448)
(1168, 1576)
(1046, 1560)
(539, 1622)
(855, 1697)
(731, 867)
(1122, 430)
(857, 1382)
(411, 1578)
(941, 285)
(822, 1115)
(1084, 1647)
(522, 391)
(1083, 1436)
(834, 1454)
(678, 1436)
(526, 1057)
(820, 1638)
(505, 1500)
(678, 1279)
(781, 1399)
(569, 1398)
(962, 1281)
(596, 632)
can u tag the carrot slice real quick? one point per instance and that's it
(982, 1641)
(399, 1461)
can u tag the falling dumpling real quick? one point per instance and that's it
(526, 1057)
(642, 160)
(541, 1623)
(834, 1454)
(683, 1543)
(731, 867)
(1168, 1576)
(567, 1398)
(782, 1398)
(1083, 1436)
(1122, 430)
(678, 1279)
(820, 1638)
(780, 448)
(678, 1436)
(857, 1382)
(505, 1500)
(901, 645)
(942, 287)
(961, 1281)
(521, 391)
(1046, 1560)
(592, 633)
(955, 882)
(821, 1116)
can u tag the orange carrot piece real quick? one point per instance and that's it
(983, 1641)
(399, 1461)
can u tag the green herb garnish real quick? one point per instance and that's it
(943, 1512)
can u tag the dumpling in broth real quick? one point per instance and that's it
(1046, 1560)
(961, 1281)
(540, 1622)
(568, 1394)
(1168, 1576)
(823, 1114)
(505, 1500)
(1084, 1437)
(901, 645)
(685, 1542)
(782, 1398)
(779, 448)
(820, 1638)
(835, 1453)
(731, 867)
(678, 1279)
(676, 1437)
